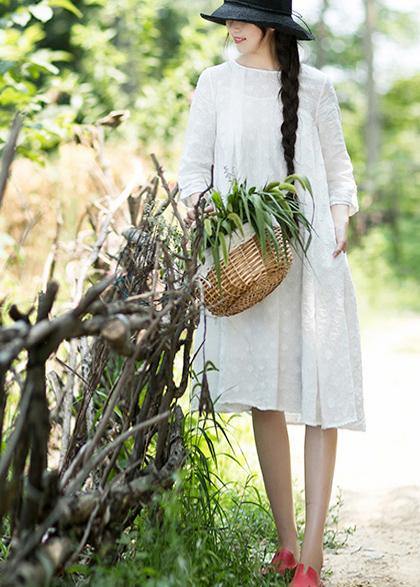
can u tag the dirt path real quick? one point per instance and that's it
(384, 550)
(378, 471)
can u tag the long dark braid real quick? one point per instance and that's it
(288, 57)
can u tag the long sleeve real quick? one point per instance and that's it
(194, 171)
(341, 183)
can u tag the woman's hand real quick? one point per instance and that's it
(340, 214)
(191, 217)
(341, 231)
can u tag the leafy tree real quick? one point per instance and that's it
(27, 76)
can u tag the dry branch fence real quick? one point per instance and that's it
(90, 425)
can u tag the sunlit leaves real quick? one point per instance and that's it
(67, 5)
(41, 11)
(26, 73)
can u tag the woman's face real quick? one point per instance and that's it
(246, 36)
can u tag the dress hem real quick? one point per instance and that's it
(290, 417)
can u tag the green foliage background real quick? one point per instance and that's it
(63, 63)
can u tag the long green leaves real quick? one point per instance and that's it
(276, 203)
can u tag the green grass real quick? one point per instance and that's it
(215, 528)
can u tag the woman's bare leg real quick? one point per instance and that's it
(320, 453)
(272, 442)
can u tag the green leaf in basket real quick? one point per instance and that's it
(302, 179)
(260, 220)
(226, 225)
(283, 215)
(217, 199)
(224, 247)
(269, 186)
(277, 210)
(244, 201)
(284, 204)
(216, 258)
(237, 221)
(307, 184)
(208, 227)
(285, 186)
(273, 238)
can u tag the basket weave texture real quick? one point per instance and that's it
(248, 277)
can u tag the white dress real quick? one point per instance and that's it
(298, 350)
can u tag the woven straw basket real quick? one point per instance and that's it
(248, 277)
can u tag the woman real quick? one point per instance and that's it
(294, 357)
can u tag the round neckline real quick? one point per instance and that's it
(255, 68)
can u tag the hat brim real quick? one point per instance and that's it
(280, 22)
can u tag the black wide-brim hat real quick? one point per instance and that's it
(270, 13)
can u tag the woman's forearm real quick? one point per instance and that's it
(340, 213)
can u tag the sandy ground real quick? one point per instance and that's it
(384, 550)
(378, 471)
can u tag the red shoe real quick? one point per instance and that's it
(308, 579)
(283, 560)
